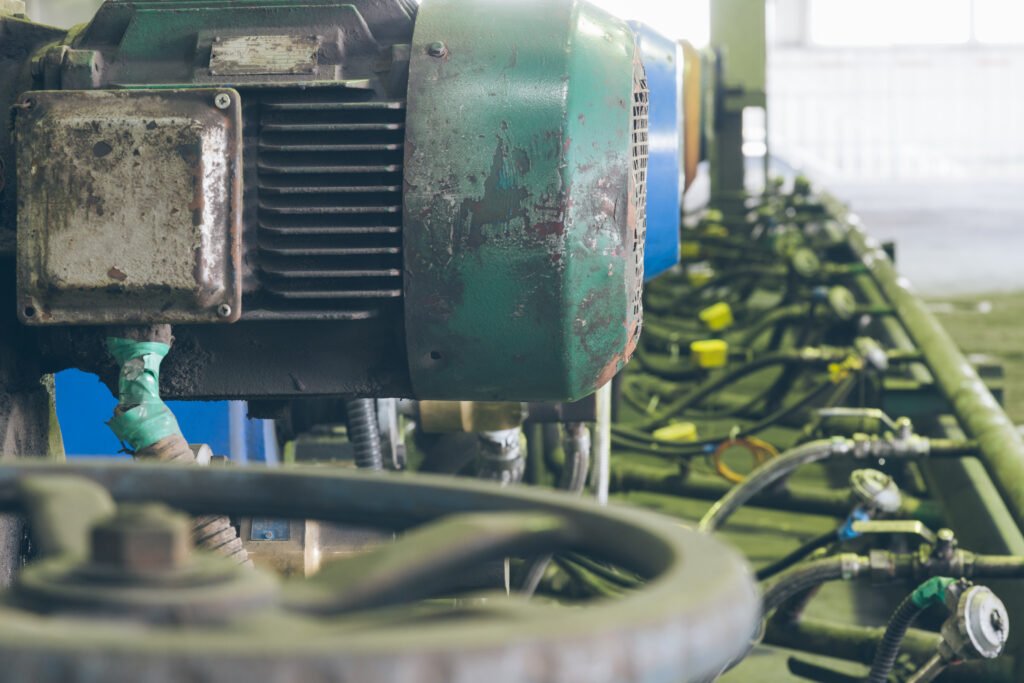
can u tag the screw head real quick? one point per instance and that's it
(142, 539)
(437, 49)
(222, 101)
(224, 310)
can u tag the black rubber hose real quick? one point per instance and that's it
(784, 563)
(364, 433)
(215, 533)
(895, 631)
(679, 405)
(578, 446)
(808, 575)
(769, 473)
(638, 441)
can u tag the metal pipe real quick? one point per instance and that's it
(602, 444)
(930, 671)
(1000, 446)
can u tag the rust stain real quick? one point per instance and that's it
(116, 273)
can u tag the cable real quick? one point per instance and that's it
(808, 575)
(771, 472)
(761, 450)
(932, 591)
(808, 548)
(364, 433)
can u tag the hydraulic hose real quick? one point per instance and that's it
(731, 377)
(932, 591)
(784, 563)
(364, 433)
(642, 442)
(578, 447)
(143, 421)
(769, 473)
(808, 575)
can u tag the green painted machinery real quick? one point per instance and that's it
(332, 198)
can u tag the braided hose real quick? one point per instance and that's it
(209, 532)
(364, 433)
(144, 421)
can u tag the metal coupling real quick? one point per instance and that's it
(501, 456)
(853, 565)
(876, 491)
(882, 565)
(979, 625)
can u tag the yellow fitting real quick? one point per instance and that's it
(710, 353)
(717, 317)
(837, 372)
(680, 432)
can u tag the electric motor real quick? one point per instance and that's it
(361, 198)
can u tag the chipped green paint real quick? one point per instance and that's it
(520, 231)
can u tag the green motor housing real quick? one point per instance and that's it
(361, 198)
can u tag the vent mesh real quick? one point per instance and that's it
(638, 182)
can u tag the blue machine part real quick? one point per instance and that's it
(663, 61)
(84, 405)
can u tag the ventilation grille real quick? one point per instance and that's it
(329, 207)
(638, 180)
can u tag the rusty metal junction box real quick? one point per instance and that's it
(130, 206)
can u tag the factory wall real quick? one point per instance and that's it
(899, 113)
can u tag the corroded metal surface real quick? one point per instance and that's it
(521, 222)
(129, 206)
(255, 55)
(694, 614)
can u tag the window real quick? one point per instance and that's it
(889, 22)
(998, 21)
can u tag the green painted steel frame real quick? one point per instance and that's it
(520, 231)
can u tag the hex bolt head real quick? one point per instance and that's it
(224, 310)
(437, 49)
(142, 539)
(222, 101)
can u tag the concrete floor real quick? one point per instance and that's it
(951, 238)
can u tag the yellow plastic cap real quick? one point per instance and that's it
(681, 432)
(710, 353)
(717, 316)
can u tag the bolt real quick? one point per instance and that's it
(268, 535)
(224, 310)
(437, 49)
(142, 539)
(945, 535)
(222, 100)
(996, 619)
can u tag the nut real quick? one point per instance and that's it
(142, 539)
(437, 49)
(222, 101)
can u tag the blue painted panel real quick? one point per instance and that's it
(84, 405)
(663, 62)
